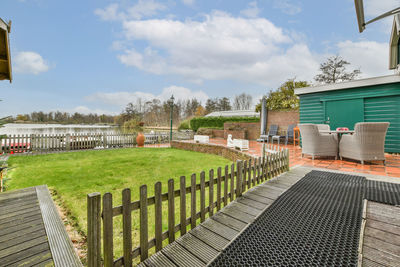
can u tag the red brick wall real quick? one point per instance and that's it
(228, 153)
(217, 133)
(252, 129)
(236, 134)
(282, 118)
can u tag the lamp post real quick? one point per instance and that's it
(171, 105)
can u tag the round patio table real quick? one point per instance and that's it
(338, 133)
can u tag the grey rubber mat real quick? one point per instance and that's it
(387, 193)
(314, 223)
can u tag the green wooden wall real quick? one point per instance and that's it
(380, 103)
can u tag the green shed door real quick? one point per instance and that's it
(344, 113)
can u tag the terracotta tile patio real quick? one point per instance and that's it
(392, 167)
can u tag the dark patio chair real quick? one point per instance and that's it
(289, 135)
(273, 131)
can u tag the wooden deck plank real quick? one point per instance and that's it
(22, 239)
(246, 208)
(252, 203)
(180, 256)
(17, 207)
(21, 255)
(221, 229)
(239, 215)
(267, 193)
(18, 213)
(212, 239)
(20, 247)
(382, 235)
(278, 185)
(390, 228)
(157, 260)
(229, 221)
(370, 263)
(381, 257)
(21, 218)
(197, 247)
(61, 246)
(381, 245)
(21, 232)
(273, 188)
(36, 259)
(21, 223)
(258, 198)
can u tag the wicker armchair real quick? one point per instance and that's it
(316, 144)
(323, 127)
(367, 142)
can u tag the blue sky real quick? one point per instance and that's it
(98, 55)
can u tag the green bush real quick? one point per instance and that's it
(218, 122)
(185, 125)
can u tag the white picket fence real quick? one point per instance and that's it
(43, 143)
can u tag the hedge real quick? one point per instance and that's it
(218, 122)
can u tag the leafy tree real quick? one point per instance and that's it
(200, 111)
(334, 70)
(224, 104)
(284, 98)
(132, 126)
(211, 105)
(242, 102)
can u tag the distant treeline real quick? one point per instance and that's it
(64, 118)
(153, 113)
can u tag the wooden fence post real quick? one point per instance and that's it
(219, 188)
(193, 201)
(94, 229)
(183, 204)
(108, 245)
(202, 196)
(239, 170)
(226, 181)
(127, 226)
(232, 182)
(244, 172)
(211, 192)
(171, 211)
(158, 215)
(68, 142)
(144, 231)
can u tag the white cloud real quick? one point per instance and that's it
(188, 2)
(142, 9)
(87, 110)
(123, 98)
(251, 11)
(288, 6)
(371, 57)
(218, 47)
(29, 62)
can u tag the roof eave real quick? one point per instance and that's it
(350, 84)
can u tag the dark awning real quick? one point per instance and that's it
(5, 57)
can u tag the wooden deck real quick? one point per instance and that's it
(381, 236)
(200, 245)
(381, 241)
(31, 232)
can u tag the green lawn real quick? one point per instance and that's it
(73, 175)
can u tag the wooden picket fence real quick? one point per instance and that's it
(43, 143)
(230, 182)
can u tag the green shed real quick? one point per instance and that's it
(344, 104)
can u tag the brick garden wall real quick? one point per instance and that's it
(282, 118)
(252, 129)
(228, 153)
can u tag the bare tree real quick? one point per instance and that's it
(334, 70)
(242, 102)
